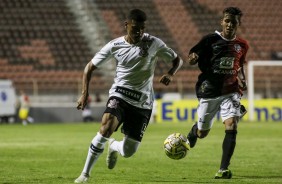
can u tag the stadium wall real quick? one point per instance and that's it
(186, 111)
(176, 111)
(63, 114)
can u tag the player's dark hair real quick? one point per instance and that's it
(233, 11)
(137, 15)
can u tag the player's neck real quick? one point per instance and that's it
(130, 40)
(228, 37)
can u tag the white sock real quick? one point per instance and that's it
(127, 147)
(95, 150)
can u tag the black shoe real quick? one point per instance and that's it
(192, 136)
(192, 139)
(223, 174)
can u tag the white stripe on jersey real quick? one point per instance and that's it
(135, 66)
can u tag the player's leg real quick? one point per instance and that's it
(134, 127)
(95, 150)
(228, 147)
(193, 135)
(207, 110)
(126, 148)
(230, 112)
(108, 126)
(229, 141)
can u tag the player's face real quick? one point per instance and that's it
(135, 30)
(229, 24)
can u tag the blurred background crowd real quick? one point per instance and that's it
(45, 44)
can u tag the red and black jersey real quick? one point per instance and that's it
(219, 61)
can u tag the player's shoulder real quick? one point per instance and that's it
(149, 38)
(242, 42)
(118, 41)
(211, 36)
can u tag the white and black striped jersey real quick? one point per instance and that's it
(135, 66)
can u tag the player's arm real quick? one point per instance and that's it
(82, 101)
(176, 65)
(242, 79)
(199, 51)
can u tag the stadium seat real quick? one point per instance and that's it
(41, 40)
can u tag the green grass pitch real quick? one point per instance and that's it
(55, 154)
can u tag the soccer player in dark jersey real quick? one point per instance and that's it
(220, 57)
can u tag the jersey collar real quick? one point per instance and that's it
(217, 32)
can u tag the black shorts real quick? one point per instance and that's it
(134, 120)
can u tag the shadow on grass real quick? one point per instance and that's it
(258, 177)
(184, 180)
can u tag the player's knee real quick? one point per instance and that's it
(231, 124)
(130, 147)
(108, 125)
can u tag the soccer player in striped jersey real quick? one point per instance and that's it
(221, 58)
(131, 96)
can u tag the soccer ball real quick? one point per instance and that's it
(176, 146)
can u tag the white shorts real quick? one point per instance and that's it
(227, 105)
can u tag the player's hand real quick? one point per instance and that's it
(166, 79)
(82, 102)
(243, 86)
(192, 58)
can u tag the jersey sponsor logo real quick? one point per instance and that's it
(225, 66)
(134, 95)
(113, 103)
(228, 72)
(226, 63)
(119, 43)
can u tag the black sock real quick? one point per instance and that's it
(228, 147)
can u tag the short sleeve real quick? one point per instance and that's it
(103, 55)
(167, 54)
(164, 52)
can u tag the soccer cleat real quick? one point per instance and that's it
(243, 111)
(111, 156)
(223, 174)
(83, 178)
(192, 137)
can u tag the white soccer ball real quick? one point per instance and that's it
(176, 146)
